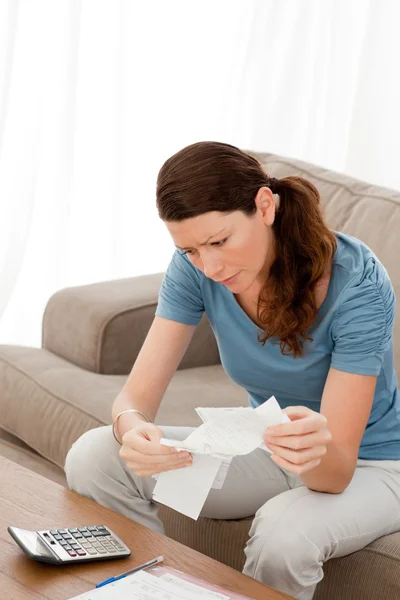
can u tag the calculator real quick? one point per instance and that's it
(74, 545)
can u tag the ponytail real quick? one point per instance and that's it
(305, 247)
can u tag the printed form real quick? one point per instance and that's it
(144, 586)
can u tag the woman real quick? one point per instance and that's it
(299, 312)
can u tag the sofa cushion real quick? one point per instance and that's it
(48, 402)
(101, 327)
(14, 449)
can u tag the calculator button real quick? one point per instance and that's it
(63, 543)
(102, 551)
(81, 552)
(86, 534)
(67, 548)
(82, 529)
(91, 551)
(98, 533)
(53, 531)
(111, 550)
(73, 530)
(71, 552)
(92, 528)
(100, 527)
(57, 536)
(77, 535)
(62, 531)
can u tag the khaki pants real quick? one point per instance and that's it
(294, 531)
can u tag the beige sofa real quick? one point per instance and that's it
(50, 396)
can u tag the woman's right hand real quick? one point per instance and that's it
(143, 453)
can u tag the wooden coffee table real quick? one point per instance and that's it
(30, 501)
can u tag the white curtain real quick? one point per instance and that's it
(96, 94)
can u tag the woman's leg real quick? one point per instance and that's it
(293, 534)
(94, 469)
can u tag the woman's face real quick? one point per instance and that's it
(230, 246)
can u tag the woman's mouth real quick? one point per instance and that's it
(230, 279)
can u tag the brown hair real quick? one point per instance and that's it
(213, 176)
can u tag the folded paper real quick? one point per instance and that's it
(224, 434)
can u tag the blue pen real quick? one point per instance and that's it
(150, 563)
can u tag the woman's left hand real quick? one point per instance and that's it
(299, 446)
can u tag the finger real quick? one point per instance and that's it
(298, 457)
(296, 469)
(134, 457)
(144, 470)
(309, 424)
(150, 473)
(145, 438)
(298, 442)
(297, 412)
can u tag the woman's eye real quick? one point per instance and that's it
(220, 243)
(217, 244)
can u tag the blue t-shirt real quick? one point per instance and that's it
(352, 332)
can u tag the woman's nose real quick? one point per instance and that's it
(211, 268)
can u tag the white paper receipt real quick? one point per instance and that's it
(231, 431)
(225, 433)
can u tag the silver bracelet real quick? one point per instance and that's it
(135, 410)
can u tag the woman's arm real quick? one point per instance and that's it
(346, 404)
(332, 436)
(157, 361)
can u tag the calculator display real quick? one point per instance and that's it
(35, 544)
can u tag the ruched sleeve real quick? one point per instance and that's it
(180, 298)
(363, 329)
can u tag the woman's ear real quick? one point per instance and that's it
(266, 205)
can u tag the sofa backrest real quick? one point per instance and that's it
(365, 211)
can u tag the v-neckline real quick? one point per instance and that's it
(320, 311)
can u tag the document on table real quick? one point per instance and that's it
(225, 433)
(144, 586)
(160, 583)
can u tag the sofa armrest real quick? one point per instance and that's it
(102, 326)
